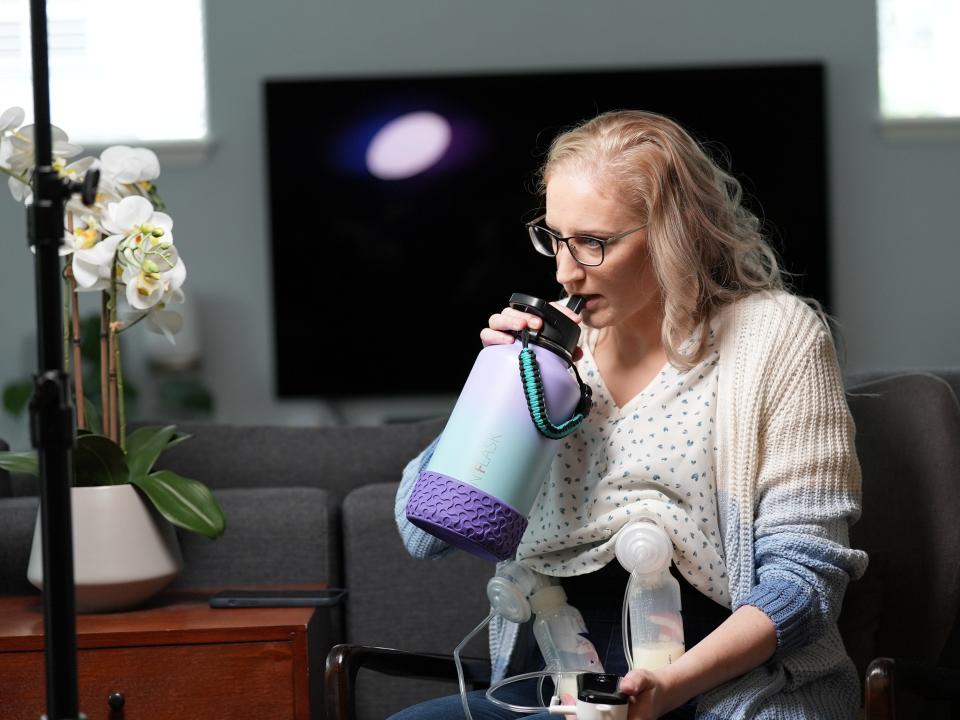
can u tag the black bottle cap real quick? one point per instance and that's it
(559, 332)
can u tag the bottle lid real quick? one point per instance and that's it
(644, 547)
(559, 332)
(548, 598)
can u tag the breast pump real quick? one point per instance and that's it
(652, 626)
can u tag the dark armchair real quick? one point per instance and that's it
(899, 621)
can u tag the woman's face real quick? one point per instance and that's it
(621, 290)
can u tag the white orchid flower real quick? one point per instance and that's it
(21, 158)
(147, 289)
(144, 290)
(21, 190)
(160, 319)
(152, 268)
(165, 322)
(17, 154)
(146, 247)
(127, 171)
(86, 233)
(11, 119)
(126, 165)
(76, 170)
(93, 266)
(128, 217)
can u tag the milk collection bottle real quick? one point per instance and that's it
(656, 625)
(559, 629)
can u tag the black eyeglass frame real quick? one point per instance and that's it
(534, 225)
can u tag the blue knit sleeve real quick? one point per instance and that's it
(419, 543)
(808, 496)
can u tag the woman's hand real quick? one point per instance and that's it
(497, 333)
(650, 695)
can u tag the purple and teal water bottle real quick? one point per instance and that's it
(497, 446)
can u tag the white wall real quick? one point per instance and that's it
(894, 201)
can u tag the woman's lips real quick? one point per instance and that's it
(593, 301)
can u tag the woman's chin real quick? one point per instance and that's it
(596, 319)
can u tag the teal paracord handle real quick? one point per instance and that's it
(536, 403)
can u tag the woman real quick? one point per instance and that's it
(716, 392)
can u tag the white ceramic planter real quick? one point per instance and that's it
(124, 551)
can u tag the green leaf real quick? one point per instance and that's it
(92, 416)
(177, 439)
(144, 446)
(184, 502)
(98, 460)
(16, 397)
(20, 462)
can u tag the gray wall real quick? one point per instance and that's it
(894, 199)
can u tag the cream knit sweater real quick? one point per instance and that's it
(788, 487)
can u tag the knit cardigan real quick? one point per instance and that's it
(788, 486)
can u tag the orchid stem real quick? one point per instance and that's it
(73, 321)
(127, 326)
(113, 357)
(11, 173)
(105, 363)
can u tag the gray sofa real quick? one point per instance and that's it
(316, 505)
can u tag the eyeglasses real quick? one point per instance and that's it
(585, 249)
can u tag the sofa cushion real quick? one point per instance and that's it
(18, 516)
(399, 602)
(337, 459)
(273, 535)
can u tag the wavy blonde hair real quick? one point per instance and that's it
(707, 249)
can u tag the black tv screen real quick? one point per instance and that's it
(386, 266)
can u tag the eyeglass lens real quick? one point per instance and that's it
(586, 250)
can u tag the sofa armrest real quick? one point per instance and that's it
(887, 678)
(345, 661)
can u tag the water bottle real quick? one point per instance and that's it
(560, 632)
(497, 446)
(656, 625)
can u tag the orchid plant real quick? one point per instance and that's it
(121, 247)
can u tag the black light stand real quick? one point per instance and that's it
(51, 409)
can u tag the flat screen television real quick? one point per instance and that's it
(385, 267)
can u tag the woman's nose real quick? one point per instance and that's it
(568, 269)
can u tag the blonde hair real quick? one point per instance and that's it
(706, 248)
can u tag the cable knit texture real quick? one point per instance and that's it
(788, 487)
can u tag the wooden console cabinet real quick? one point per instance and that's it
(176, 659)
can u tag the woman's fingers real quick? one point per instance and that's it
(502, 323)
(511, 319)
(635, 682)
(493, 337)
(568, 699)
